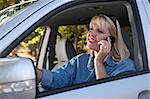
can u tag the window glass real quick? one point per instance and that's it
(10, 12)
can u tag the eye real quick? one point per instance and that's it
(100, 32)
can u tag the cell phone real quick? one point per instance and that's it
(112, 40)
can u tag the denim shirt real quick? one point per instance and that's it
(80, 69)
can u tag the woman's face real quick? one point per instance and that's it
(95, 35)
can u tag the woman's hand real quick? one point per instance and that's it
(105, 47)
(39, 74)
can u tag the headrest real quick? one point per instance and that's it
(64, 50)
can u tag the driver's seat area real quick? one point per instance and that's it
(64, 50)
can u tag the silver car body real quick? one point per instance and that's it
(127, 88)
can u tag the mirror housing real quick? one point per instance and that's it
(17, 78)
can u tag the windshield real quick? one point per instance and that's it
(10, 12)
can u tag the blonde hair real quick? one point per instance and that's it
(119, 45)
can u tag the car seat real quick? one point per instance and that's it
(64, 50)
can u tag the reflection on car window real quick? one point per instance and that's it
(10, 12)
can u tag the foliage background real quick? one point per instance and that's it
(76, 34)
(6, 3)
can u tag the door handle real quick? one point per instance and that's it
(144, 94)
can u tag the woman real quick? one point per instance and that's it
(108, 57)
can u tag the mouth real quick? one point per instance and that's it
(92, 40)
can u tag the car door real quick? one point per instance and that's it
(130, 86)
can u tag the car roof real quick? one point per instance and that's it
(82, 14)
(16, 20)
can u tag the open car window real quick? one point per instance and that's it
(30, 46)
(73, 26)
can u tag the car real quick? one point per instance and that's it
(40, 26)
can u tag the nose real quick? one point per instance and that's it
(91, 34)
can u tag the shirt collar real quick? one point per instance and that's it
(110, 61)
(90, 64)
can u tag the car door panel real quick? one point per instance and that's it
(128, 88)
(125, 88)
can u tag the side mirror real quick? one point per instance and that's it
(17, 78)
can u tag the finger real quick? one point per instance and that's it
(101, 45)
(102, 42)
(105, 45)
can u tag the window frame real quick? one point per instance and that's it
(136, 27)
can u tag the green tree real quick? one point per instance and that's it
(6, 3)
(76, 34)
